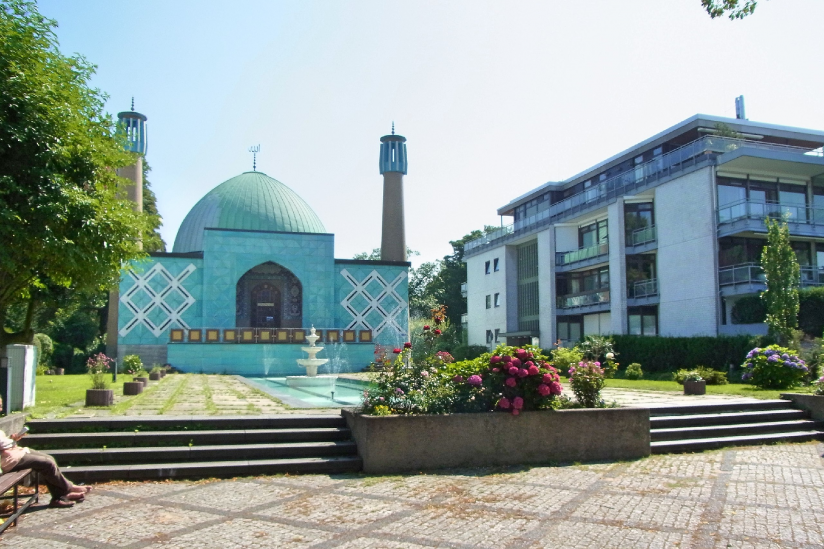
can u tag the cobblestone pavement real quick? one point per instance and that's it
(745, 498)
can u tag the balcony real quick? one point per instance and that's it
(642, 236)
(749, 215)
(748, 278)
(699, 152)
(582, 254)
(589, 299)
(643, 289)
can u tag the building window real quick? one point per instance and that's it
(637, 216)
(489, 302)
(497, 333)
(495, 266)
(570, 328)
(486, 267)
(497, 300)
(643, 320)
(592, 234)
(489, 336)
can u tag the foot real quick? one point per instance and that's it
(74, 496)
(81, 489)
(60, 503)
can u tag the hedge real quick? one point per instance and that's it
(811, 313)
(749, 310)
(658, 354)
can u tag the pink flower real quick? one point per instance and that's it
(511, 382)
(496, 370)
(521, 353)
(399, 391)
(597, 364)
(547, 378)
(533, 370)
(506, 358)
(516, 362)
(504, 403)
(515, 412)
(544, 389)
(495, 359)
(425, 373)
(522, 372)
(555, 388)
(475, 380)
(457, 379)
(528, 363)
(518, 403)
(513, 370)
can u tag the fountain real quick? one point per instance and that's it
(312, 379)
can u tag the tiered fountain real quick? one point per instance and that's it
(312, 379)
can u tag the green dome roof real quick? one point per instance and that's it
(252, 201)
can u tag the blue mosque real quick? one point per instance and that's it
(252, 269)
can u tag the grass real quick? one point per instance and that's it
(62, 395)
(737, 389)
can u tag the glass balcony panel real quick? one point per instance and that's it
(582, 300)
(644, 288)
(643, 236)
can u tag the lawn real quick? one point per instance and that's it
(59, 396)
(738, 389)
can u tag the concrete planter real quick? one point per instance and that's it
(695, 387)
(154, 376)
(393, 444)
(59, 371)
(99, 397)
(143, 380)
(132, 388)
(812, 403)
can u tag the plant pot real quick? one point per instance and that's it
(162, 373)
(59, 371)
(154, 376)
(695, 387)
(99, 397)
(143, 380)
(132, 388)
(49, 372)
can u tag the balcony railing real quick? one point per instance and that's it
(565, 258)
(463, 289)
(644, 288)
(749, 209)
(582, 300)
(662, 166)
(641, 236)
(752, 273)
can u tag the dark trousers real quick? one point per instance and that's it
(49, 472)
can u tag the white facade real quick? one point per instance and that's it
(661, 239)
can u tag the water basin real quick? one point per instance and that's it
(348, 392)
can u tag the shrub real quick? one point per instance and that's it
(668, 354)
(712, 377)
(691, 375)
(45, 348)
(564, 358)
(774, 368)
(811, 311)
(469, 352)
(132, 365)
(634, 371)
(587, 380)
(819, 386)
(749, 310)
(98, 368)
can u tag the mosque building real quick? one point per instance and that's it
(252, 270)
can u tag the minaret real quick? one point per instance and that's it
(393, 167)
(133, 124)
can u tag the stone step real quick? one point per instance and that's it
(701, 444)
(48, 441)
(717, 431)
(714, 408)
(185, 454)
(178, 423)
(217, 469)
(725, 418)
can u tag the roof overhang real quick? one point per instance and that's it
(753, 161)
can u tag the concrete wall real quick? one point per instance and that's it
(687, 272)
(546, 288)
(617, 268)
(394, 444)
(566, 237)
(23, 370)
(479, 285)
(811, 403)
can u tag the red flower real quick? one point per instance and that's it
(396, 351)
(407, 345)
(426, 327)
(437, 332)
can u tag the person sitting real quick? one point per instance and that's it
(15, 458)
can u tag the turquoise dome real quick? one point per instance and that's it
(252, 201)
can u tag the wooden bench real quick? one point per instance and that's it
(13, 480)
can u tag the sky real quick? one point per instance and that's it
(494, 98)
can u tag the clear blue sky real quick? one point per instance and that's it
(494, 98)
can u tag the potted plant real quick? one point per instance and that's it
(133, 367)
(694, 384)
(154, 374)
(98, 367)
(59, 371)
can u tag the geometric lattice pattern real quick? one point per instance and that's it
(157, 299)
(374, 303)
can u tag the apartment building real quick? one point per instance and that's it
(661, 239)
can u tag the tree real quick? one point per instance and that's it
(152, 241)
(783, 276)
(734, 9)
(375, 254)
(62, 222)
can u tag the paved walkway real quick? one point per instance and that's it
(747, 498)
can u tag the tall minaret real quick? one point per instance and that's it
(393, 167)
(133, 124)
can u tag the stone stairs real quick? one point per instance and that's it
(694, 428)
(164, 447)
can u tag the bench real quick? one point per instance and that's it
(13, 480)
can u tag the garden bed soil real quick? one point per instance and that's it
(396, 444)
(812, 403)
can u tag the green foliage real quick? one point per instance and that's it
(819, 386)
(634, 371)
(564, 358)
(712, 377)
(152, 241)
(668, 354)
(99, 368)
(811, 311)
(587, 379)
(749, 310)
(783, 275)
(734, 9)
(600, 349)
(132, 365)
(468, 352)
(45, 348)
(62, 221)
(774, 367)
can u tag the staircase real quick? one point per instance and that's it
(695, 428)
(144, 448)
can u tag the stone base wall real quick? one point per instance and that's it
(812, 403)
(149, 354)
(395, 444)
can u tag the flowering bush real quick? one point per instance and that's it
(773, 368)
(600, 349)
(587, 380)
(133, 366)
(98, 367)
(819, 386)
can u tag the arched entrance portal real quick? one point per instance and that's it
(269, 296)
